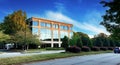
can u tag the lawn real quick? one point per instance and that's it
(26, 59)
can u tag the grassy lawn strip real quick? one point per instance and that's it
(26, 59)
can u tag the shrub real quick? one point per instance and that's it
(110, 48)
(86, 49)
(95, 48)
(73, 49)
(103, 48)
(49, 48)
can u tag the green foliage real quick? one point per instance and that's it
(25, 38)
(79, 42)
(65, 42)
(42, 57)
(80, 39)
(75, 40)
(111, 19)
(49, 48)
(14, 22)
(75, 37)
(101, 40)
(85, 40)
(3, 37)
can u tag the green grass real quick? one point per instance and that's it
(44, 49)
(34, 50)
(26, 59)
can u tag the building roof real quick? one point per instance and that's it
(50, 21)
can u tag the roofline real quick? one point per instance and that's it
(32, 18)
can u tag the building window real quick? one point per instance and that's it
(35, 23)
(61, 27)
(45, 34)
(63, 33)
(55, 33)
(70, 28)
(42, 24)
(71, 34)
(64, 27)
(48, 25)
(35, 31)
(55, 26)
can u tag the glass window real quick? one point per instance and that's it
(42, 24)
(63, 33)
(71, 34)
(48, 25)
(45, 34)
(70, 28)
(35, 23)
(64, 27)
(35, 31)
(61, 27)
(55, 33)
(55, 26)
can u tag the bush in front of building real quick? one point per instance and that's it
(86, 49)
(65, 42)
(73, 49)
(49, 48)
(110, 48)
(95, 48)
(103, 48)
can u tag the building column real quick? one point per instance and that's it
(39, 27)
(59, 39)
(68, 31)
(52, 45)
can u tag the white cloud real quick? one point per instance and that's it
(59, 6)
(90, 23)
(85, 26)
(8, 11)
(91, 36)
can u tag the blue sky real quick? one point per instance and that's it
(85, 15)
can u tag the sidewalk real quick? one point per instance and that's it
(16, 54)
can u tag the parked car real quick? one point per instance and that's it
(117, 50)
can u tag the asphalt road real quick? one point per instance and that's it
(99, 59)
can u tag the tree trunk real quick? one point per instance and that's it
(27, 47)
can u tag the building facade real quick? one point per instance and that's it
(49, 32)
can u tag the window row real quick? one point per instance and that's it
(43, 24)
(46, 33)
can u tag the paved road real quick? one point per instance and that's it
(14, 54)
(99, 59)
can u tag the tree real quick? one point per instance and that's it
(76, 40)
(111, 19)
(73, 40)
(101, 40)
(65, 42)
(86, 41)
(3, 37)
(25, 39)
(79, 42)
(14, 22)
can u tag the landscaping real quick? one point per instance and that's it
(27, 59)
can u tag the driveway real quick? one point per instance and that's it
(98, 59)
(15, 54)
